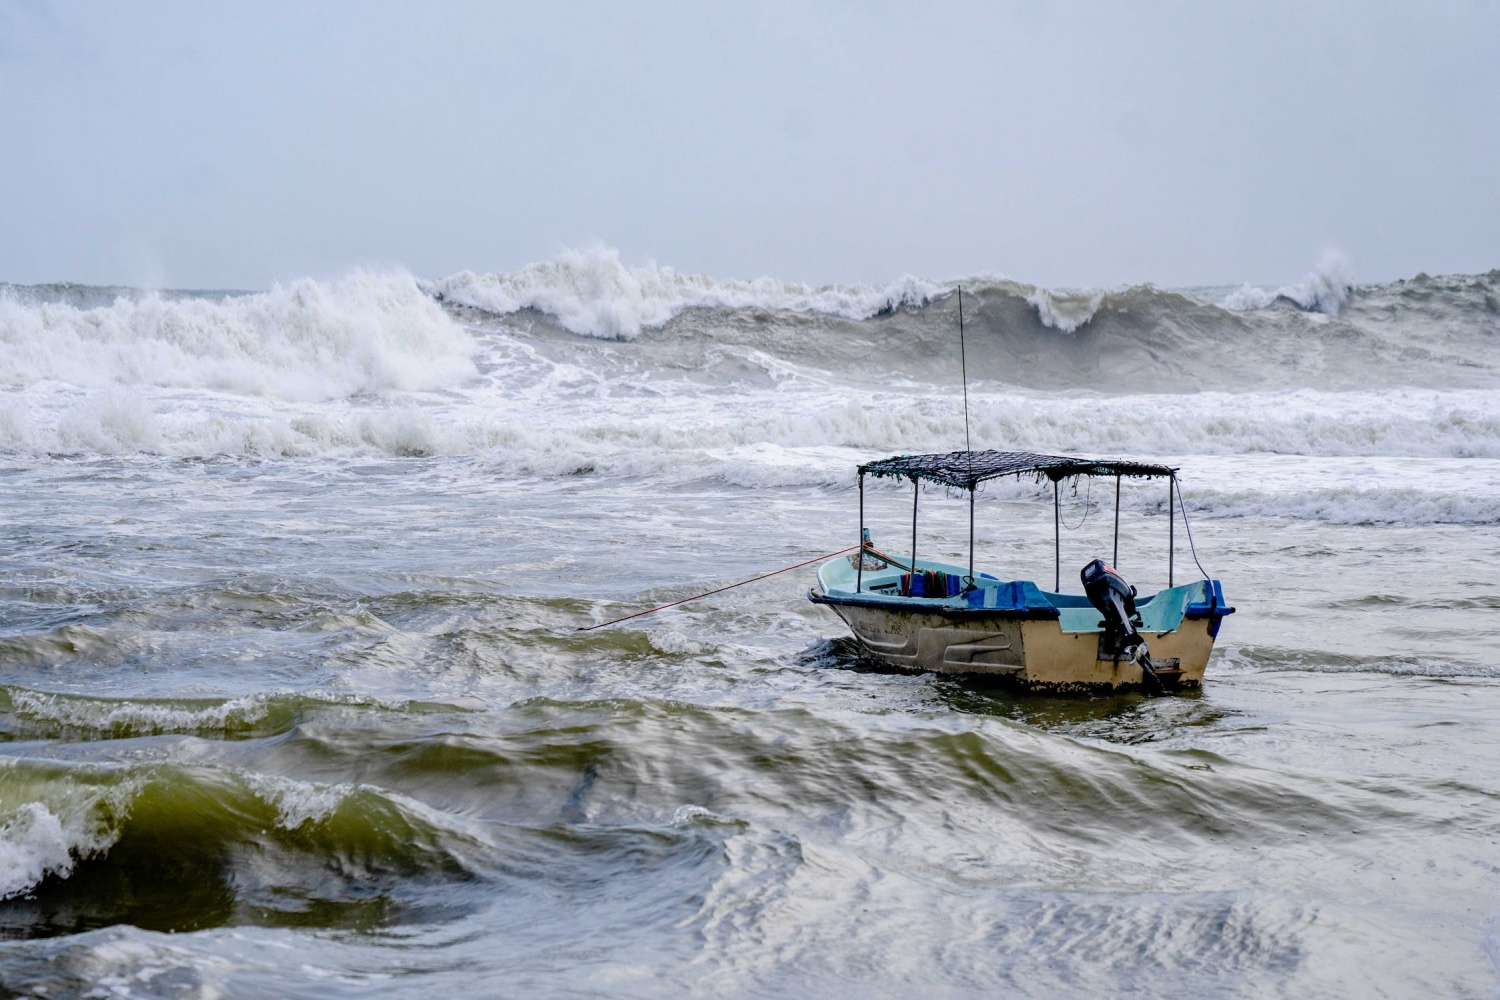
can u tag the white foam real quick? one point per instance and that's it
(1353, 505)
(1065, 311)
(797, 432)
(1248, 298)
(591, 293)
(1270, 658)
(32, 843)
(132, 717)
(117, 420)
(1325, 289)
(365, 332)
(36, 842)
(15, 427)
(691, 816)
(298, 802)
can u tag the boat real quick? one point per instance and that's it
(925, 615)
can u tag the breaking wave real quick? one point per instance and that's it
(591, 293)
(381, 332)
(51, 715)
(1353, 505)
(366, 332)
(798, 430)
(757, 382)
(36, 842)
(118, 821)
(1325, 289)
(1063, 311)
(1275, 658)
(1425, 331)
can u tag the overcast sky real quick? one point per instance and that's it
(233, 145)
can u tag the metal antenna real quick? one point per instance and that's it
(963, 361)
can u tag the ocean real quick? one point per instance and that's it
(294, 701)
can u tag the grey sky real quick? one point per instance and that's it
(231, 145)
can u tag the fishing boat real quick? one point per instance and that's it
(935, 616)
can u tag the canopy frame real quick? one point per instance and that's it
(966, 470)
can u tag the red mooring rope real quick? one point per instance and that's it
(709, 593)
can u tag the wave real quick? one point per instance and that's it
(1437, 332)
(1064, 311)
(1326, 289)
(124, 827)
(624, 809)
(36, 842)
(384, 332)
(1353, 505)
(366, 332)
(793, 435)
(52, 715)
(768, 381)
(176, 847)
(591, 293)
(1275, 658)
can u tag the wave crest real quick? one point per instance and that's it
(308, 340)
(1326, 289)
(589, 292)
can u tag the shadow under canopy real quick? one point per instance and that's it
(965, 470)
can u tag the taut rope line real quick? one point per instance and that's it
(709, 593)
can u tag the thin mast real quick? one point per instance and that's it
(1116, 561)
(1171, 526)
(963, 361)
(859, 573)
(1057, 536)
(912, 578)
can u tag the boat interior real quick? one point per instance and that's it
(888, 582)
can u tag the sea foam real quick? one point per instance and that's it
(1063, 310)
(1326, 289)
(39, 838)
(366, 332)
(696, 435)
(591, 293)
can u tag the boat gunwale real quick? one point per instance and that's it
(946, 610)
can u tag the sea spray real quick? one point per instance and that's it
(1325, 289)
(308, 340)
(590, 292)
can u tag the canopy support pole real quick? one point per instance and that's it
(915, 491)
(1057, 536)
(1116, 561)
(1171, 526)
(859, 573)
(971, 537)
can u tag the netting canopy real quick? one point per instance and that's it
(967, 469)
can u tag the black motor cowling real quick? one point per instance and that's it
(1115, 599)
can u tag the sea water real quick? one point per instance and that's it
(293, 699)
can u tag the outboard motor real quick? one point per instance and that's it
(1115, 599)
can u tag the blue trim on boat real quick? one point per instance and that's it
(1213, 607)
(1044, 611)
